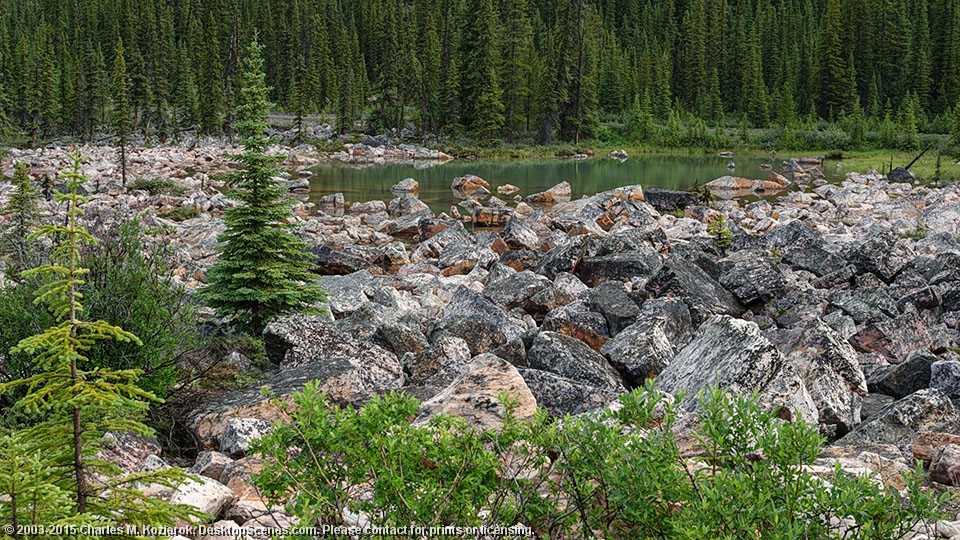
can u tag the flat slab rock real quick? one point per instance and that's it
(339, 378)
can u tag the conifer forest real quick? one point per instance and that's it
(511, 70)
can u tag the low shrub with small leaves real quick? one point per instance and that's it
(618, 473)
(158, 186)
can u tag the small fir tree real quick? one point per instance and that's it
(263, 270)
(60, 455)
(955, 129)
(121, 109)
(23, 213)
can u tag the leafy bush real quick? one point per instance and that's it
(618, 473)
(128, 284)
(158, 186)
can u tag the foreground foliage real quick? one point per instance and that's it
(127, 283)
(616, 474)
(51, 473)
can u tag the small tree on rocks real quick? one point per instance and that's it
(263, 270)
(60, 454)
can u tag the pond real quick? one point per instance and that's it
(587, 177)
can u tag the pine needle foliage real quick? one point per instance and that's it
(263, 270)
(59, 456)
(23, 212)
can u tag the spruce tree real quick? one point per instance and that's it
(481, 96)
(23, 214)
(121, 109)
(518, 40)
(833, 81)
(955, 129)
(78, 405)
(263, 271)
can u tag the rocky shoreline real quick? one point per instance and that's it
(839, 306)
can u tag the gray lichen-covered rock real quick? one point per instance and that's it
(302, 339)
(561, 395)
(345, 381)
(945, 376)
(945, 467)
(901, 380)
(210, 464)
(204, 494)
(830, 370)
(483, 325)
(240, 434)
(475, 395)
(563, 258)
(704, 296)
(733, 355)
(881, 253)
(515, 290)
(642, 351)
(623, 266)
(751, 277)
(901, 421)
(128, 450)
(894, 338)
(577, 321)
(612, 300)
(678, 326)
(572, 359)
(406, 205)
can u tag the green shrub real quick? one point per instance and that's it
(618, 473)
(127, 284)
(158, 186)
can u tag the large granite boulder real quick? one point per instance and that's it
(830, 370)
(641, 351)
(901, 380)
(203, 494)
(475, 395)
(623, 266)
(345, 381)
(561, 395)
(572, 359)
(751, 277)
(900, 422)
(733, 355)
(881, 253)
(578, 321)
(482, 324)
(612, 300)
(703, 295)
(301, 339)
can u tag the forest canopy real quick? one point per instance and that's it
(510, 69)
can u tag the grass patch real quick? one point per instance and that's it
(181, 213)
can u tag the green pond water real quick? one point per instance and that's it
(587, 177)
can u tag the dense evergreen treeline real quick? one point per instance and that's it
(500, 69)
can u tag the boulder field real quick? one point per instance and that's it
(839, 306)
